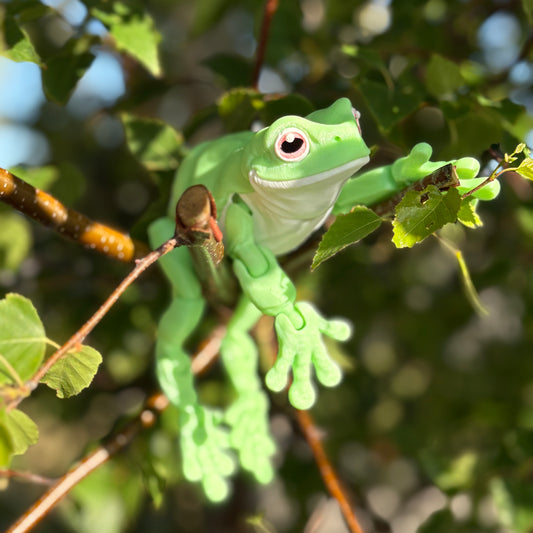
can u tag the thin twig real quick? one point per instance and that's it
(329, 476)
(271, 7)
(112, 445)
(28, 476)
(79, 336)
(50, 212)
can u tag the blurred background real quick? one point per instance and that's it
(431, 428)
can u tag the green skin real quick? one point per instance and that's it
(271, 195)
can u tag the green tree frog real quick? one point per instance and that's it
(272, 189)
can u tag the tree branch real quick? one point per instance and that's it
(50, 212)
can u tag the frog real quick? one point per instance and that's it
(273, 188)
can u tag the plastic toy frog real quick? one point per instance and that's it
(273, 188)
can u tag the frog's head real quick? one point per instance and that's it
(293, 151)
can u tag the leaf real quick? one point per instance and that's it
(65, 68)
(443, 77)
(134, 31)
(74, 372)
(17, 432)
(390, 105)
(347, 229)
(416, 219)
(512, 500)
(22, 337)
(155, 144)
(233, 69)
(15, 240)
(527, 5)
(15, 43)
(525, 169)
(467, 214)
(239, 107)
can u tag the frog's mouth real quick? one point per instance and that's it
(340, 173)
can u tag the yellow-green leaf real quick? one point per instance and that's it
(22, 338)
(17, 432)
(421, 214)
(74, 372)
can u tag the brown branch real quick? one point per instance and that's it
(328, 473)
(79, 336)
(112, 444)
(27, 476)
(271, 6)
(50, 212)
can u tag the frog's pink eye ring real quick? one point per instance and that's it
(292, 145)
(357, 116)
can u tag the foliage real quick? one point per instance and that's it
(432, 423)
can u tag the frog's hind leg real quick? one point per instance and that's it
(173, 364)
(248, 415)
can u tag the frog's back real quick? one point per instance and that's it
(214, 164)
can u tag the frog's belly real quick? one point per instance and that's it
(283, 235)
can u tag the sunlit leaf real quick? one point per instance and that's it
(134, 31)
(15, 43)
(512, 500)
(22, 337)
(17, 432)
(155, 144)
(74, 372)
(347, 229)
(416, 219)
(525, 169)
(467, 214)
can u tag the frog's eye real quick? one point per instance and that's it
(292, 145)
(357, 116)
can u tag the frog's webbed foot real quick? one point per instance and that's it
(302, 348)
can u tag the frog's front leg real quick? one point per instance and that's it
(299, 327)
(381, 183)
(204, 443)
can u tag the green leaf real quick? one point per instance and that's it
(155, 144)
(239, 107)
(134, 31)
(17, 432)
(525, 169)
(234, 70)
(512, 499)
(527, 5)
(22, 338)
(15, 240)
(467, 214)
(347, 229)
(65, 68)
(15, 43)
(443, 77)
(74, 372)
(390, 105)
(416, 218)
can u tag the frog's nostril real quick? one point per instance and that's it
(337, 138)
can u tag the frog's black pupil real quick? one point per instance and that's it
(291, 147)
